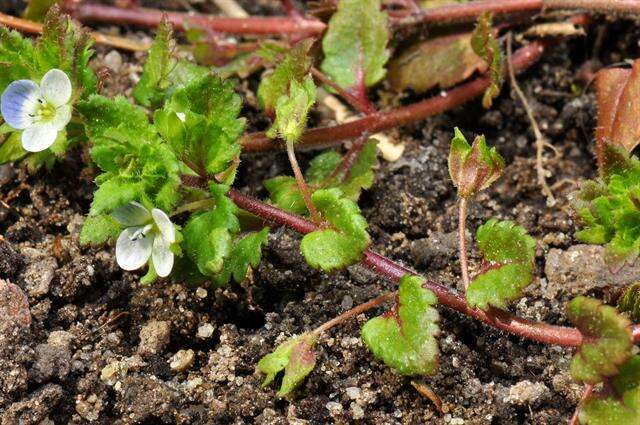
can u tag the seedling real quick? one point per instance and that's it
(168, 161)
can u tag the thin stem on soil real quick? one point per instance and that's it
(575, 419)
(540, 141)
(322, 137)
(364, 106)
(31, 27)
(500, 319)
(256, 25)
(302, 184)
(354, 312)
(349, 158)
(462, 241)
(290, 8)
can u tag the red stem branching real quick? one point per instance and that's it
(363, 105)
(525, 328)
(322, 137)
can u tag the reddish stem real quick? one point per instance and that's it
(302, 184)
(462, 241)
(575, 419)
(262, 25)
(536, 331)
(321, 137)
(366, 107)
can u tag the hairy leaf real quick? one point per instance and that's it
(11, 148)
(16, 58)
(296, 357)
(484, 43)
(208, 236)
(508, 252)
(618, 97)
(162, 72)
(630, 302)
(619, 406)
(294, 67)
(437, 62)
(609, 340)
(344, 243)
(98, 229)
(245, 253)
(405, 337)
(292, 110)
(355, 44)
(473, 167)
(206, 135)
(607, 210)
(284, 192)
(136, 163)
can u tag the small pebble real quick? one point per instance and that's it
(182, 360)
(205, 331)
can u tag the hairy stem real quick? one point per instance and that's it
(31, 27)
(349, 158)
(354, 312)
(258, 25)
(362, 105)
(575, 419)
(302, 184)
(322, 137)
(462, 241)
(500, 319)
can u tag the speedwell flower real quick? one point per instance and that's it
(149, 234)
(41, 111)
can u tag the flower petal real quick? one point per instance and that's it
(132, 214)
(162, 256)
(38, 137)
(56, 87)
(164, 225)
(61, 118)
(133, 249)
(19, 103)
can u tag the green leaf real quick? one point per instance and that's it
(342, 245)
(405, 337)
(211, 128)
(293, 67)
(208, 236)
(11, 148)
(162, 73)
(17, 60)
(37, 9)
(136, 163)
(508, 252)
(296, 357)
(66, 47)
(620, 405)
(608, 344)
(486, 46)
(284, 192)
(630, 302)
(98, 229)
(292, 111)
(355, 44)
(245, 252)
(473, 167)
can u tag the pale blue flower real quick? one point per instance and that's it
(149, 235)
(40, 111)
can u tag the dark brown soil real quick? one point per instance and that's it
(82, 358)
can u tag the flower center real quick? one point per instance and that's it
(45, 111)
(141, 233)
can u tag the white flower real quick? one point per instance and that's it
(40, 111)
(148, 235)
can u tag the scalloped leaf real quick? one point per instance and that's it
(608, 343)
(355, 45)
(342, 245)
(404, 338)
(292, 110)
(620, 406)
(508, 252)
(485, 45)
(295, 356)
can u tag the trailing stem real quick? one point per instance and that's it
(462, 241)
(322, 137)
(575, 419)
(361, 104)
(302, 184)
(500, 319)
